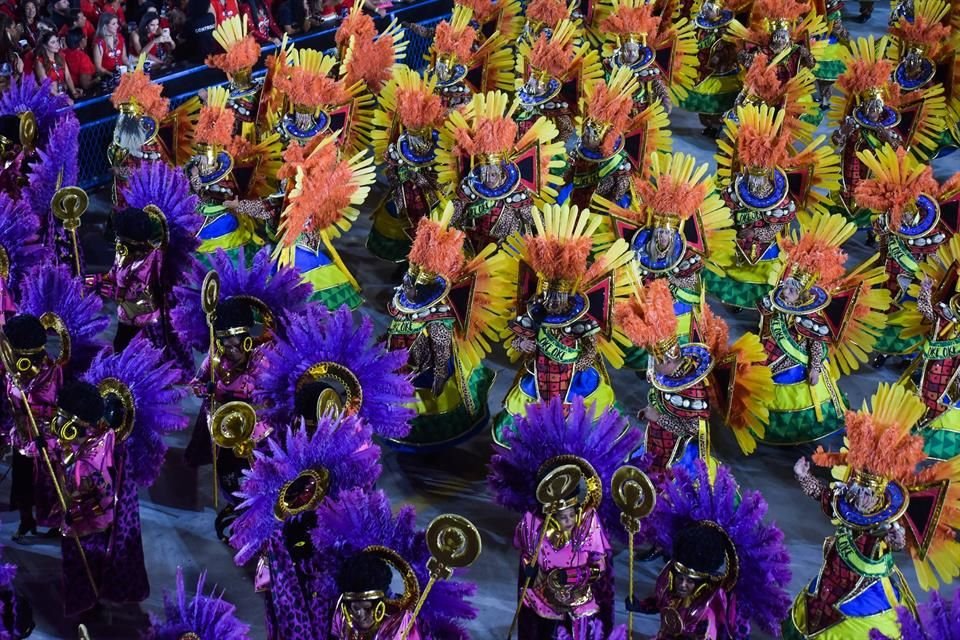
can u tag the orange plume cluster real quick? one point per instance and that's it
(456, 43)
(929, 34)
(483, 10)
(761, 80)
(438, 249)
(670, 196)
(326, 189)
(310, 89)
(612, 108)
(243, 55)
(489, 135)
(810, 254)
(895, 198)
(648, 317)
(632, 20)
(862, 75)
(559, 259)
(295, 155)
(759, 149)
(371, 61)
(136, 87)
(419, 109)
(553, 58)
(884, 450)
(714, 332)
(359, 24)
(548, 12)
(781, 9)
(215, 126)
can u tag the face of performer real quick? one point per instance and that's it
(873, 108)
(535, 86)
(759, 184)
(566, 519)
(864, 499)
(683, 585)
(667, 366)
(913, 63)
(790, 291)
(421, 144)
(444, 69)
(661, 240)
(591, 138)
(232, 352)
(710, 11)
(362, 614)
(409, 286)
(556, 302)
(630, 51)
(780, 39)
(491, 175)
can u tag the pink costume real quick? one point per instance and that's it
(136, 280)
(390, 629)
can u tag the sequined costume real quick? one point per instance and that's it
(241, 53)
(717, 83)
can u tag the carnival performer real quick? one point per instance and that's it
(562, 332)
(230, 221)
(727, 569)
(717, 83)
(51, 302)
(553, 470)
(203, 616)
(406, 132)
(322, 204)
(933, 620)
(611, 143)
(481, 152)
(543, 16)
(870, 113)
(20, 251)
(280, 495)
(241, 53)
(881, 471)
(330, 354)
(764, 181)
(253, 306)
(360, 548)
(821, 321)
(677, 226)
(906, 201)
(445, 312)
(832, 50)
(369, 56)
(135, 140)
(928, 62)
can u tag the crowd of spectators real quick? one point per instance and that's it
(83, 46)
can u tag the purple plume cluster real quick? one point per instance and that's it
(27, 95)
(57, 167)
(210, 617)
(20, 239)
(938, 619)
(594, 631)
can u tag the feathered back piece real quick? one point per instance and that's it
(548, 13)
(241, 50)
(306, 80)
(372, 60)
(881, 442)
(761, 80)
(552, 429)
(648, 318)
(136, 89)
(759, 596)
(57, 166)
(356, 24)
(342, 445)
(417, 106)
(761, 141)
(609, 102)
(938, 619)
(317, 337)
(896, 180)
(26, 95)
(20, 242)
(208, 617)
(632, 18)
(326, 195)
(357, 520)
(216, 120)
(151, 379)
(54, 289)
(502, 16)
(554, 56)
(493, 130)
(454, 38)
(866, 68)
(926, 31)
(676, 187)
(437, 247)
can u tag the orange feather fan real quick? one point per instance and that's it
(548, 12)
(419, 109)
(310, 89)
(923, 32)
(215, 126)
(810, 254)
(883, 450)
(372, 61)
(632, 20)
(862, 75)
(895, 198)
(648, 317)
(671, 196)
(489, 135)
(438, 249)
(326, 190)
(613, 108)
(761, 80)
(136, 87)
(781, 9)
(553, 58)
(295, 155)
(758, 149)
(459, 44)
(243, 55)
(559, 258)
(357, 23)
(483, 10)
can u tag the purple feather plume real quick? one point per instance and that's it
(152, 382)
(26, 95)
(282, 291)
(938, 619)
(761, 596)
(358, 519)
(594, 632)
(54, 289)
(57, 167)
(340, 444)
(210, 617)
(323, 336)
(544, 433)
(20, 239)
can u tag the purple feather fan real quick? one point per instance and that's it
(156, 399)
(26, 95)
(20, 240)
(207, 616)
(282, 291)
(56, 167)
(544, 433)
(324, 336)
(358, 519)
(340, 444)
(761, 596)
(938, 619)
(54, 289)
(594, 631)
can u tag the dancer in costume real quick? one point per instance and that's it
(329, 354)
(869, 113)
(882, 503)
(728, 570)
(788, 32)
(405, 136)
(241, 53)
(832, 50)
(444, 313)
(562, 331)
(156, 240)
(764, 181)
(20, 251)
(717, 84)
(280, 496)
(677, 226)
(933, 620)
(820, 322)
(553, 470)
(230, 222)
(321, 206)
(499, 174)
(135, 140)
(544, 16)
(360, 548)
(201, 616)
(612, 144)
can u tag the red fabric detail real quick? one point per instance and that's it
(78, 62)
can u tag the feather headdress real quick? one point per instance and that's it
(437, 247)
(897, 179)
(632, 18)
(25, 95)
(758, 596)
(136, 92)
(867, 70)
(151, 379)
(454, 38)
(306, 80)
(20, 245)
(608, 103)
(502, 16)
(339, 449)
(493, 130)
(319, 339)
(357, 24)
(926, 31)
(417, 106)
(554, 56)
(547, 13)
(216, 121)
(648, 318)
(241, 51)
(676, 188)
(358, 520)
(938, 619)
(206, 617)
(761, 140)
(372, 59)
(58, 166)
(818, 255)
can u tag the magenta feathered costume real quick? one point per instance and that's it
(208, 617)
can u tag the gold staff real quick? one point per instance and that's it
(209, 297)
(69, 204)
(634, 494)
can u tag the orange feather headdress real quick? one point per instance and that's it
(418, 107)
(554, 56)
(549, 13)
(648, 318)
(437, 248)
(632, 18)
(494, 131)
(454, 38)
(676, 189)
(761, 141)
(609, 104)
(357, 24)
(307, 81)
(370, 61)
(775, 11)
(761, 80)
(897, 180)
(138, 93)
(483, 10)
(866, 75)
(216, 121)
(241, 50)
(810, 259)
(924, 32)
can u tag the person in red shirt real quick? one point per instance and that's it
(116, 8)
(79, 22)
(150, 38)
(224, 9)
(109, 47)
(48, 63)
(262, 25)
(29, 20)
(78, 62)
(91, 10)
